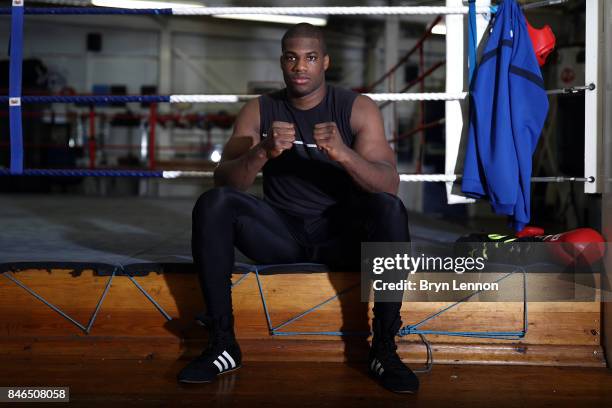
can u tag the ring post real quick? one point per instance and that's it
(15, 67)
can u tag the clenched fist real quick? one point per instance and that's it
(280, 138)
(328, 138)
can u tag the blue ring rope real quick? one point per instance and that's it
(299, 316)
(150, 298)
(99, 304)
(84, 99)
(240, 280)
(15, 76)
(85, 173)
(455, 304)
(274, 331)
(45, 301)
(407, 330)
(505, 335)
(87, 10)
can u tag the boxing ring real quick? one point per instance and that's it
(78, 240)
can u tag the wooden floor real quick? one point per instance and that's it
(151, 383)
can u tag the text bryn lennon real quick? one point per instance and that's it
(426, 285)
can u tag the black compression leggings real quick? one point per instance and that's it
(224, 217)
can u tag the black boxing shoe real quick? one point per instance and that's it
(222, 355)
(385, 365)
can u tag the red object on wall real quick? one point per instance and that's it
(543, 40)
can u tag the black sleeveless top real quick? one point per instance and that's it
(303, 181)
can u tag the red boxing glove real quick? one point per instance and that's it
(579, 247)
(543, 40)
(530, 231)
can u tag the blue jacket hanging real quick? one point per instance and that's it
(508, 107)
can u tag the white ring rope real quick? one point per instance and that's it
(403, 177)
(414, 178)
(428, 96)
(345, 11)
(430, 178)
(379, 97)
(210, 98)
(394, 97)
(187, 174)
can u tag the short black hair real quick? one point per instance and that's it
(305, 30)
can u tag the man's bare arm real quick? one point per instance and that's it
(245, 153)
(372, 163)
(242, 157)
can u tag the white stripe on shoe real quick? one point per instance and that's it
(229, 358)
(225, 365)
(376, 367)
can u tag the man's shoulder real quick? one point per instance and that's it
(356, 100)
(345, 92)
(344, 97)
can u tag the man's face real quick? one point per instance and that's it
(303, 64)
